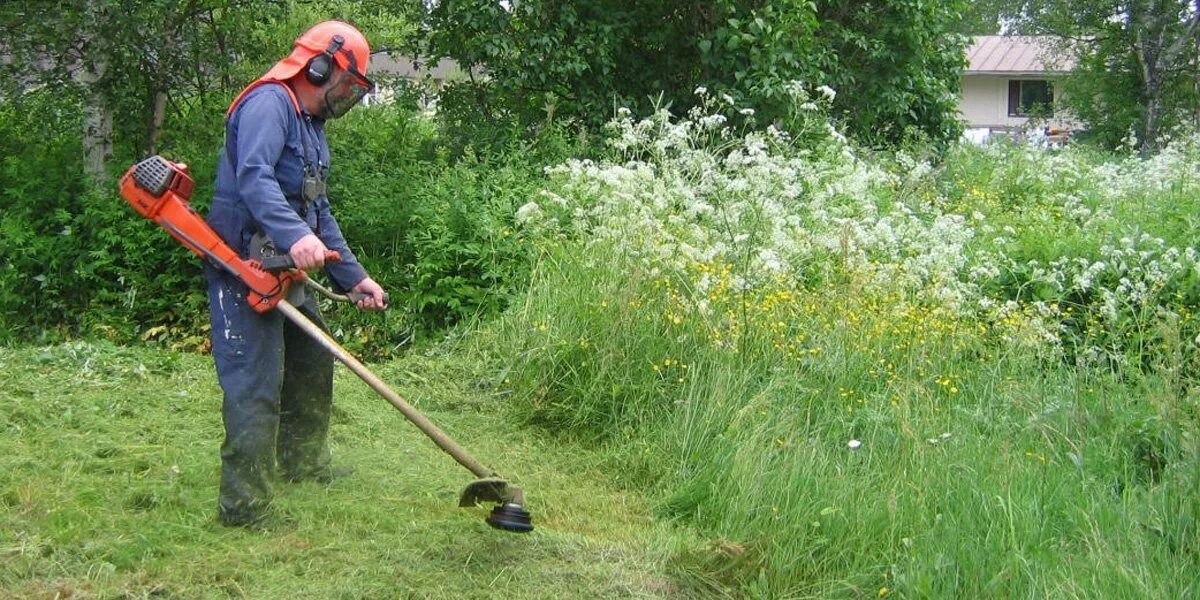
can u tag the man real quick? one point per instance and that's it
(270, 192)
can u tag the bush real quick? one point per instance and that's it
(435, 229)
(433, 226)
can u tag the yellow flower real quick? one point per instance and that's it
(884, 591)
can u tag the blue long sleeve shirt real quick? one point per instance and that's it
(259, 177)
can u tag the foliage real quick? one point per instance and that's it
(987, 18)
(129, 61)
(896, 64)
(854, 374)
(139, 65)
(1137, 64)
(77, 262)
(436, 231)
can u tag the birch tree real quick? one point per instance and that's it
(1138, 62)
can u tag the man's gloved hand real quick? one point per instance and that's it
(373, 299)
(308, 252)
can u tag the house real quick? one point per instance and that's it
(1012, 85)
(427, 79)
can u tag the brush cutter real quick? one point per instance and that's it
(159, 190)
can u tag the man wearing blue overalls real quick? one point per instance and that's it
(270, 193)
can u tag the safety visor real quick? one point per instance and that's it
(346, 94)
(349, 90)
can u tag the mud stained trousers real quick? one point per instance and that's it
(278, 385)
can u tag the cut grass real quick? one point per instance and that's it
(109, 472)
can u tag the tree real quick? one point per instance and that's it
(897, 63)
(1138, 62)
(135, 61)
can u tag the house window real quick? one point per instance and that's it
(1027, 96)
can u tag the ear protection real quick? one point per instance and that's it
(320, 67)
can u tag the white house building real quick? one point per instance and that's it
(1012, 86)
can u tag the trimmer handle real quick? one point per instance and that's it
(284, 262)
(356, 296)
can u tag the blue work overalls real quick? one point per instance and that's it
(278, 382)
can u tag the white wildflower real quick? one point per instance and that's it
(528, 213)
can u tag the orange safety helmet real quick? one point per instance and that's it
(353, 55)
(343, 41)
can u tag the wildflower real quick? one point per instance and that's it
(854, 444)
(827, 92)
(747, 112)
(700, 91)
(528, 212)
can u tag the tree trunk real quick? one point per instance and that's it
(1148, 44)
(158, 113)
(97, 122)
(97, 112)
(1150, 125)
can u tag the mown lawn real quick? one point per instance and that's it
(109, 472)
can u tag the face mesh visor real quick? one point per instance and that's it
(346, 94)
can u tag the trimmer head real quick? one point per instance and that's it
(510, 517)
(508, 514)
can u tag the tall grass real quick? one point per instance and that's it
(864, 379)
(983, 470)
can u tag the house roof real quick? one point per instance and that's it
(407, 66)
(1016, 55)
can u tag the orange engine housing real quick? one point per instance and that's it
(159, 189)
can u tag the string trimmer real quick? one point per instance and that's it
(159, 190)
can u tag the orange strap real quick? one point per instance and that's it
(291, 94)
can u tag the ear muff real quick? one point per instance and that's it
(320, 67)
